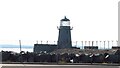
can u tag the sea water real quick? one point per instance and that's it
(17, 49)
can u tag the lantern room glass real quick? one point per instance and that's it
(65, 23)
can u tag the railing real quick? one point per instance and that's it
(80, 44)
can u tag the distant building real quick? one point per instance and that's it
(44, 47)
(115, 47)
(90, 47)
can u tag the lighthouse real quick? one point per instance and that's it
(64, 37)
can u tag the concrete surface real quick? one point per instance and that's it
(55, 66)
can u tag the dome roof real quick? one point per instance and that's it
(65, 19)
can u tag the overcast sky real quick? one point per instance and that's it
(38, 19)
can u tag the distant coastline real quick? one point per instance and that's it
(16, 46)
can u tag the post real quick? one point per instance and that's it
(76, 44)
(47, 42)
(92, 44)
(100, 44)
(89, 43)
(104, 44)
(112, 42)
(85, 43)
(37, 42)
(54, 42)
(117, 42)
(21, 60)
(96, 43)
(41, 42)
(108, 44)
(20, 44)
(82, 44)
